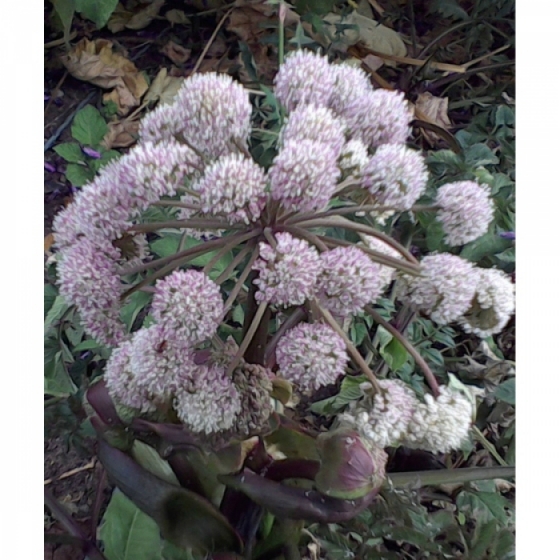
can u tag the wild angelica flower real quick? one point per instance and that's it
(288, 272)
(466, 211)
(349, 281)
(163, 123)
(386, 273)
(440, 425)
(379, 117)
(354, 157)
(351, 84)
(315, 123)
(235, 186)
(215, 112)
(304, 78)
(396, 176)
(188, 305)
(493, 303)
(67, 226)
(444, 290)
(383, 418)
(88, 278)
(303, 175)
(207, 402)
(311, 356)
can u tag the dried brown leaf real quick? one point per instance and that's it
(163, 88)
(136, 19)
(95, 62)
(435, 109)
(121, 134)
(178, 54)
(176, 17)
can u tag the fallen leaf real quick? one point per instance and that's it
(373, 62)
(136, 19)
(178, 54)
(49, 240)
(121, 134)
(367, 31)
(95, 62)
(163, 88)
(176, 17)
(435, 109)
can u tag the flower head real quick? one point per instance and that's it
(235, 186)
(493, 303)
(88, 278)
(208, 402)
(315, 123)
(383, 418)
(351, 84)
(163, 123)
(440, 425)
(303, 175)
(188, 304)
(215, 113)
(304, 78)
(354, 157)
(395, 176)
(311, 355)
(379, 117)
(466, 211)
(444, 290)
(287, 272)
(349, 281)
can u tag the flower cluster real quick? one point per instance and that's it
(396, 417)
(311, 355)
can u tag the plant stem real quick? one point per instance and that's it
(428, 374)
(488, 446)
(221, 253)
(448, 476)
(201, 223)
(256, 321)
(236, 260)
(352, 350)
(339, 221)
(241, 281)
(177, 204)
(308, 236)
(281, 18)
(381, 258)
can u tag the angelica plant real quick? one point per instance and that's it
(178, 382)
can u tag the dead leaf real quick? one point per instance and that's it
(373, 62)
(435, 109)
(176, 17)
(178, 54)
(369, 32)
(95, 62)
(49, 240)
(163, 88)
(121, 134)
(136, 19)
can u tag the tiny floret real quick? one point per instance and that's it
(304, 78)
(287, 272)
(466, 211)
(188, 304)
(354, 157)
(493, 303)
(444, 290)
(311, 355)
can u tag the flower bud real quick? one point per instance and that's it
(350, 469)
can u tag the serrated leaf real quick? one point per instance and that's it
(57, 382)
(89, 127)
(506, 391)
(70, 151)
(106, 157)
(98, 11)
(50, 295)
(480, 155)
(504, 116)
(56, 311)
(128, 533)
(487, 245)
(79, 175)
(484, 506)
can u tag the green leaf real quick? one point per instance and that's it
(128, 533)
(56, 311)
(487, 245)
(394, 354)
(480, 155)
(448, 8)
(89, 127)
(504, 116)
(57, 382)
(71, 152)
(484, 506)
(134, 304)
(106, 157)
(49, 298)
(65, 11)
(506, 391)
(150, 459)
(98, 11)
(87, 345)
(79, 175)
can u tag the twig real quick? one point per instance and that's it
(488, 446)
(54, 137)
(71, 472)
(211, 40)
(58, 42)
